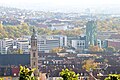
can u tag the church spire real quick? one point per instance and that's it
(34, 31)
(34, 53)
(34, 36)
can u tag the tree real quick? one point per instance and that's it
(2, 31)
(1, 26)
(26, 73)
(57, 50)
(113, 77)
(95, 48)
(1, 36)
(20, 51)
(68, 75)
(110, 49)
(1, 78)
(25, 26)
(89, 64)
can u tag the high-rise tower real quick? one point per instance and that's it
(34, 53)
(91, 33)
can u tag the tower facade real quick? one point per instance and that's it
(34, 53)
(91, 33)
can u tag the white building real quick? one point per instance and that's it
(79, 43)
(99, 42)
(60, 26)
(23, 46)
(47, 44)
(62, 39)
(5, 44)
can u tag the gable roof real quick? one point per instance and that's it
(14, 59)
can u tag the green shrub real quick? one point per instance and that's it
(113, 77)
(26, 73)
(68, 75)
(1, 78)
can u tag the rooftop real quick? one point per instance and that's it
(14, 59)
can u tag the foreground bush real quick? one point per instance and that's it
(113, 77)
(1, 78)
(26, 73)
(68, 75)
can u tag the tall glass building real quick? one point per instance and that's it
(91, 33)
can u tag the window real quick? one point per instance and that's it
(80, 44)
(34, 63)
(34, 54)
(34, 42)
(83, 43)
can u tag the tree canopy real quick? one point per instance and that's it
(23, 29)
(89, 64)
(68, 75)
(26, 73)
(95, 48)
(113, 77)
(110, 49)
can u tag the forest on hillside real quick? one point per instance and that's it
(15, 31)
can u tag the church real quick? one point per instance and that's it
(34, 53)
(9, 63)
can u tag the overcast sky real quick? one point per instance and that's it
(60, 4)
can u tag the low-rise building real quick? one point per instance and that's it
(60, 26)
(79, 43)
(47, 44)
(62, 39)
(23, 47)
(114, 43)
(5, 44)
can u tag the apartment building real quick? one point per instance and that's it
(47, 44)
(5, 44)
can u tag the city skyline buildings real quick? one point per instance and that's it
(107, 6)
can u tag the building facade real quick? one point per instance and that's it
(114, 43)
(79, 43)
(46, 44)
(62, 39)
(60, 26)
(5, 44)
(23, 47)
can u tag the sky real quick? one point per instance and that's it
(60, 4)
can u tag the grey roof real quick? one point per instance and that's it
(14, 59)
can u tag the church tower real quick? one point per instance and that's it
(34, 53)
